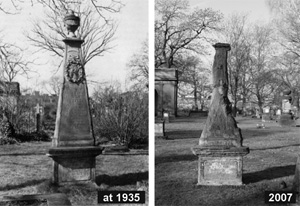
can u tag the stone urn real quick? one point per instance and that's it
(72, 22)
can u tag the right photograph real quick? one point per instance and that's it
(227, 102)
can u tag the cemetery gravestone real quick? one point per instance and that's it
(220, 147)
(286, 118)
(73, 145)
(266, 114)
(160, 128)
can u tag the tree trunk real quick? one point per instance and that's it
(195, 98)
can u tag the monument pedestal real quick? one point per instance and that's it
(160, 128)
(74, 163)
(220, 166)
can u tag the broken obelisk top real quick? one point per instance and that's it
(73, 145)
(220, 147)
(220, 129)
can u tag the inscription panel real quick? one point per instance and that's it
(69, 175)
(75, 119)
(220, 170)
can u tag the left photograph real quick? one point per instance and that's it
(74, 102)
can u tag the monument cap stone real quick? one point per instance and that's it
(222, 45)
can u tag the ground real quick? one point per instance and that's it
(25, 169)
(272, 159)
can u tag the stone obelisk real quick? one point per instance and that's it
(220, 147)
(73, 146)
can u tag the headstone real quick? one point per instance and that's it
(166, 117)
(266, 116)
(220, 147)
(266, 110)
(286, 118)
(160, 128)
(278, 112)
(73, 145)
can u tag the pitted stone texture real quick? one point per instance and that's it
(220, 170)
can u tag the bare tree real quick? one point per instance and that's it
(195, 80)
(139, 67)
(53, 85)
(178, 30)
(286, 18)
(11, 6)
(102, 7)
(13, 63)
(288, 73)
(98, 34)
(236, 33)
(262, 76)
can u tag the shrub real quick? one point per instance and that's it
(6, 128)
(121, 117)
(33, 136)
(7, 140)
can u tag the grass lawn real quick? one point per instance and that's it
(272, 159)
(25, 169)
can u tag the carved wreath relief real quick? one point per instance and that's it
(74, 70)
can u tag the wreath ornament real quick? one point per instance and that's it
(74, 70)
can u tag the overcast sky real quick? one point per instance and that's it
(257, 9)
(132, 31)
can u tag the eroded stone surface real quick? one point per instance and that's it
(220, 127)
(220, 147)
(220, 171)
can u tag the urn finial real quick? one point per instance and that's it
(72, 22)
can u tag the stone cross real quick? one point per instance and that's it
(220, 147)
(38, 108)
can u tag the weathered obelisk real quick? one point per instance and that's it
(220, 147)
(73, 146)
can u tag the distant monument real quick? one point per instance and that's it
(166, 88)
(220, 147)
(73, 145)
(286, 118)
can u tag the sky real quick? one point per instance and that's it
(257, 9)
(131, 33)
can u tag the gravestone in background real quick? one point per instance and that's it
(286, 118)
(73, 145)
(220, 147)
(266, 116)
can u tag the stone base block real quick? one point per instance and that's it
(73, 164)
(220, 166)
(159, 128)
(220, 171)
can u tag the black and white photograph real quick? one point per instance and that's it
(227, 102)
(74, 102)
